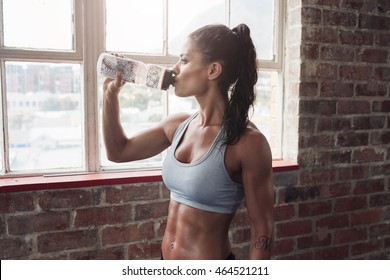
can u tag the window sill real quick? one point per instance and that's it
(34, 183)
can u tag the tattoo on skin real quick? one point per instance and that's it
(264, 243)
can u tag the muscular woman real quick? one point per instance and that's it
(217, 158)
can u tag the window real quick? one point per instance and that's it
(51, 95)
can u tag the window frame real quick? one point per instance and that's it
(89, 42)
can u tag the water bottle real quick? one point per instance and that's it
(137, 72)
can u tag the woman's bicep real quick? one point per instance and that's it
(152, 141)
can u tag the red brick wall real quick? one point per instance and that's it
(337, 125)
(340, 78)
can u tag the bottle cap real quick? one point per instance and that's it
(168, 79)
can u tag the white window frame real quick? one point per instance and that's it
(89, 43)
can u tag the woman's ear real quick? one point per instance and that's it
(215, 69)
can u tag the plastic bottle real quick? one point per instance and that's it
(150, 75)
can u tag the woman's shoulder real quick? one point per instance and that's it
(172, 122)
(253, 141)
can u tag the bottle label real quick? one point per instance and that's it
(154, 76)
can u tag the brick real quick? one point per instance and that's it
(371, 89)
(381, 106)
(314, 208)
(336, 89)
(332, 253)
(354, 72)
(379, 230)
(372, 55)
(317, 176)
(311, 15)
(353, 173)
(333, 124)
(308, 89)
(365, 247)
(369, 186)
(356, 38)
(307, 159)
(293, 193)
(353, 4)
(313, 241)
(334, 157)
(333, 221)
(122, 194)
(382, 168)
(353, 107)
(340, 18)
(284, 212)
(350, 204)
(367, 155)
(97, 216)
(116, 253)
(126, 234)
(310, 51)
(352, 139)
(336, 190)
(306, 125)
(380, 138)
(25, 224)
(151, 210)
(382, 39)
(382, 74)
(67, 199)
(52, 242)
(319, 35)
(326, 71)
(367, 217)
(144, 250)
(295, 228)
(16, 202)
(346, 235)
(319, 107)
(380, 200)
(12, 248)
(283, 247)
(316, 141)
(374, 22)
(366, 123)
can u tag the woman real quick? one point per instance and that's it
(217, 157)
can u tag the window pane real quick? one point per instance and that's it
(38, 24)
(267, 109)
(44, 116)
(259, 16)
(134, 26)
(186, 16)
(141, 108)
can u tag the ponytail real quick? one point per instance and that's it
(234, 49)
(242, 94)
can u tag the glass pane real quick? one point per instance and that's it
(259, 16)
(134, 26)
(38, 24)
(267, 109)
(186, 16)
(45, 118)
(141, 108)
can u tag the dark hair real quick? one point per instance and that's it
(234, 49)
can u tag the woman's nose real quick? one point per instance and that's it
(176, 69)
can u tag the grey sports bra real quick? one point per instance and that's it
(204, 184)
